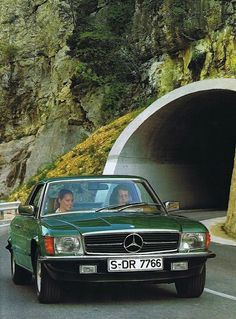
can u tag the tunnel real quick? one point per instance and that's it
(183, 144)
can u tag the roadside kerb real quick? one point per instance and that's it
(217, 239)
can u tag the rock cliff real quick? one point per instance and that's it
(69, 66)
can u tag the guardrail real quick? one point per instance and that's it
(8, 207)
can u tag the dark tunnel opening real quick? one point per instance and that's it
(201, 132)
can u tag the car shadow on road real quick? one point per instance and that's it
(117, 292)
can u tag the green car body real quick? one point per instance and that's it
(97, 240)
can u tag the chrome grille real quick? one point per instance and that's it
(114, 243)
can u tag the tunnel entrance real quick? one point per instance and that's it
(184, 144)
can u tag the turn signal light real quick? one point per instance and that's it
(49, 245)
(208, 240)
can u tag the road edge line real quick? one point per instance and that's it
(220, 294)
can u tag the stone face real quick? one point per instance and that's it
(13, 159)
(66, 67)
(51, 141)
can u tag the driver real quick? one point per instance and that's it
(123, 196)
(120, 195)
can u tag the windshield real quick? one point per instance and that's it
(97, 195)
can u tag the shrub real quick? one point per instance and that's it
(8, 52)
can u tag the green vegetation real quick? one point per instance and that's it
(84, 77)
(8, 52)
(99, 34)
(113, 93)
(105, 58)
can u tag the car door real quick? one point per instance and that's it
(25, 228)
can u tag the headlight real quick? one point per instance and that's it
(193, 241)
(68, 246)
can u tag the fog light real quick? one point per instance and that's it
(88, 269)
(181, 265)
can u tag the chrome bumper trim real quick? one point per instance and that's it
(207, 254)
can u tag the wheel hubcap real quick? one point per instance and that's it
(13, 265)
(38, 276)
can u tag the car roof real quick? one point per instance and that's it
(88, 177)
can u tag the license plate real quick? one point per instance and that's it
(135, 264)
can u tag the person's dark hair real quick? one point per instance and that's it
(62, 193)
(114, 195)
(122, 187)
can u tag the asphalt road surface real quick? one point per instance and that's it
(122, 300)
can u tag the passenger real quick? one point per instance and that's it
(64, 201)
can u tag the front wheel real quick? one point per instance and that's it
(191, 287)
(48, 291)
(19, 275)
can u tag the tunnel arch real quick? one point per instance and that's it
(184, 144)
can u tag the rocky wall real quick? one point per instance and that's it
(39, 118)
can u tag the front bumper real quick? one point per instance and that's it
(68, 268)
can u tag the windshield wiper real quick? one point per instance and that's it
(140, 204)
(109, 207)
(124, 206)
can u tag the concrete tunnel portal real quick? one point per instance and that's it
(184, 144)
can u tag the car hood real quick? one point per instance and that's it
(91, 222)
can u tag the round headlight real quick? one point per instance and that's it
(67, 245)
(192, 241)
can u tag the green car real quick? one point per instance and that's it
(104, 229)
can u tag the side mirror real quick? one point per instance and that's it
(27, 210)
(171, 206)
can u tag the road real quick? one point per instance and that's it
(125, 301)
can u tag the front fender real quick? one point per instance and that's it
(9, 245)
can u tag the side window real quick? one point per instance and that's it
(36, 197)
(143, 194)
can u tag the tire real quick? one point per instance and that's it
(20, 276)
(191, 287)
(48, 291)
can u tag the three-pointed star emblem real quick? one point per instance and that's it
(133, 243)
